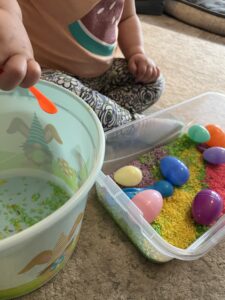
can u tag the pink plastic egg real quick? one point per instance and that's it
(150, 202)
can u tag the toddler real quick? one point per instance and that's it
(75, 43)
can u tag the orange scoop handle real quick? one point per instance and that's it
(47, 105)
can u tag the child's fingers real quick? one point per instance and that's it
(158, 72)
(132, 67)
(33, 74)
(148, 75)
(141, 70)
(14, 71)
(151, 75)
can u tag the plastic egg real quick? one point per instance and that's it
(131, 195)
(198, 134)
(128, 176)
(132, 189)
(207, 207)
(150, 202)
(174, 170)
(164, 187)
(202, 147)
(217, 136)
(131, 192)
(215, 155)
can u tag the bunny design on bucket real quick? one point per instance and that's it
(36, 147)
(56, 257)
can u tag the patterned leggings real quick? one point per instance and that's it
(114, 96)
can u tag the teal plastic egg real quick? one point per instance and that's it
(198, 134)
(164, 187)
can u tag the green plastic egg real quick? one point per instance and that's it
(198, 134)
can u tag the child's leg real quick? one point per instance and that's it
(118, 84)
(109, 112)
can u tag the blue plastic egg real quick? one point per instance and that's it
(131, 195)
(164, 187)
(131, 192)
(215, 155)
(174, 170)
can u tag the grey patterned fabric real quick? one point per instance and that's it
(213, 6)
(114, 96)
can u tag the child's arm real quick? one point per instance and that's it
(131, 44)
(16, 55)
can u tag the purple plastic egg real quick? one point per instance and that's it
(215, 155)
(202, 147)
(207, 207)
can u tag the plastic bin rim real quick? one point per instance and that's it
(60, 213)
(199, 248)
(161, 111)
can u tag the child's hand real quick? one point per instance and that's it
(143, 69)
(17, 63)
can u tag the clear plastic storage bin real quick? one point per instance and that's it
(125, 144)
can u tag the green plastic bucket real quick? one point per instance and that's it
(48, 164)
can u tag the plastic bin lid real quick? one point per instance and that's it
(127, 142)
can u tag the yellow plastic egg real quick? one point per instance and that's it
(128, 176)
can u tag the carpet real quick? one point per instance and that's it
(105, 264)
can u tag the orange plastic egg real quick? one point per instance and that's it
(217, 136)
